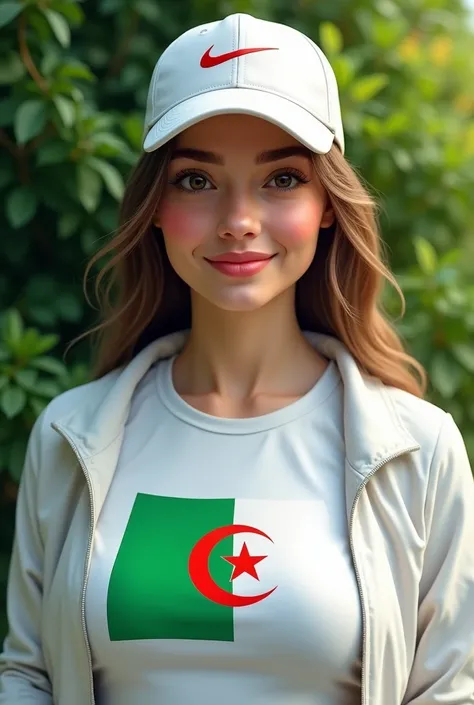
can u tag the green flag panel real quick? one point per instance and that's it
(150, 594)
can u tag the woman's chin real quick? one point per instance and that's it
(239, 299)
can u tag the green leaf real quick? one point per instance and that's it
(133, 129)
(396, 123)
(108, 139)
(45, 343)
(72, 12)
(8, 108)
(76, 94)
(149, 10)
(464, 353)
(425, 255)
(451, 257)
(331, 38)
(367, 87)
(388, 9)
(49, 364)
(12, 401)
(20, 207)
(12, 327)
(67, 225)
(59, 26)
(100, 122)
(8, 12)
(53, 153)
(66, 109)
(47, 388)
(89, 240)
(26, 378)
(402, 159)
(37, 405)
(30, 120)
(344, 71)
(51, 61)
(40, 26)
(110, 174)
(387, 34)
(69, 307)
(446, 375)
(26, 344)
(32, 343)
(4, 353)
(373, 126)
(76, 70)
(12, 68)
(44, 315)
(89, 187)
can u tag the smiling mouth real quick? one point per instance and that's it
(240, 257)
(240, 267)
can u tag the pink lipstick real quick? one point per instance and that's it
(240, 264)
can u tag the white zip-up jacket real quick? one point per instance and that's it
(410, 512)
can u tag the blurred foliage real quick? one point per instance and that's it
(75, 78)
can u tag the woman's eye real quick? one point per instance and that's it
(286, 181)
(192, 182)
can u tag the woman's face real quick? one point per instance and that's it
(230, 192)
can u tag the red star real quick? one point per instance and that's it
(245, 563)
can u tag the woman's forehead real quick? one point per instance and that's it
(231, 129)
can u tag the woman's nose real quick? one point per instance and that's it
(240, 218)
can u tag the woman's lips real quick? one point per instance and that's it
(240, 269)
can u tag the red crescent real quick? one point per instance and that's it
(198, 566)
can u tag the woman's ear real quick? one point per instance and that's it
(328, 218)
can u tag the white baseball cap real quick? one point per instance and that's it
(245, 65)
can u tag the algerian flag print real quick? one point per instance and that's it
(188, 568)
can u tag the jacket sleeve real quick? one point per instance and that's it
(23, 676)
(443, 667)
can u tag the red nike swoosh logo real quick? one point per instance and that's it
(208, 61)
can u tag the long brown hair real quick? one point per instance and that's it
(142, 298)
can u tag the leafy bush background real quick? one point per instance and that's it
(74, 77)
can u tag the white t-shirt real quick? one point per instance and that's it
(221, 569)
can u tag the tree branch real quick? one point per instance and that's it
(26, 56)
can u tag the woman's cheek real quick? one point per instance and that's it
(182, 225)
(296, 227)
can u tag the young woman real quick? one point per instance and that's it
(251, 502)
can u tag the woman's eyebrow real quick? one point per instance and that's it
(270, 155)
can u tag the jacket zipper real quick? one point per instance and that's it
(364, 699)
(88, 554)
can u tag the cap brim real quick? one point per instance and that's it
(282, 112)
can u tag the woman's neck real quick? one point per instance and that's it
(240, 355)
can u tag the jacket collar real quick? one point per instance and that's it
(372, 427)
